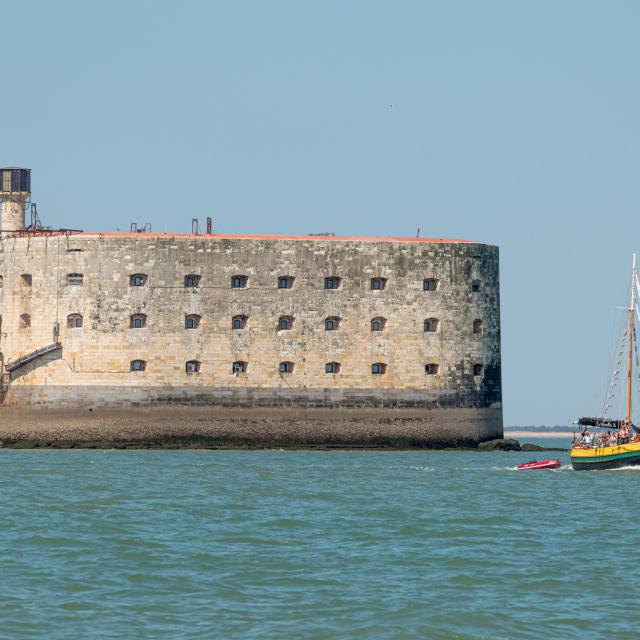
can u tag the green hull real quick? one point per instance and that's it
(614, 461)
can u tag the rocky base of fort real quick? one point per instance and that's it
(509, 444)
(217, 428)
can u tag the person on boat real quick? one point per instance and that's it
(623, 435)
(587, 438)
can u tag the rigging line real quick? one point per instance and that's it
(632, 303)
(611, 367)
(616, 399)
(637, 356)
(617, 347)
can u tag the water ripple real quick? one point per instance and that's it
(311, 545)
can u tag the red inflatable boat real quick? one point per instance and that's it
(551, 463)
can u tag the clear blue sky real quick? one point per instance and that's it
(514, 123)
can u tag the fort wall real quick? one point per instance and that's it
(78, 290)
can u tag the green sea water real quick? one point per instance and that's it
(314, 545)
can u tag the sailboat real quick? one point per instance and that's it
(620, 445)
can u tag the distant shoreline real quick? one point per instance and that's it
(538, 434)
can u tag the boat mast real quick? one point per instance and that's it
(630, 368)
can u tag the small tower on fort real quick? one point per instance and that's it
(15, 194)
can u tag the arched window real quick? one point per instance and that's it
(332, 323)
(26, 280)
(192, 321)
(378, 368)
(285, 367)
(239, 322)
(74, 321)
(137, 280)
(332, 367)
(285, 323)
(75, 279)
(239, 366)
(138, 365)
(430, 284)
(478, 370)
(475, 286)
(137, 321)
(1, 282)
(431, 369)
(192, 366)
(377, 284)
(477, 326)
(25, 321)
(191, 281)
(285, 282)
(239, 282)
(332, 282)
(431, 325)
(378, 324)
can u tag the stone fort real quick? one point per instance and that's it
(395, 327)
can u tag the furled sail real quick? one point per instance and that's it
(605, 423)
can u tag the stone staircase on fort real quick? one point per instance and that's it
(30, 357)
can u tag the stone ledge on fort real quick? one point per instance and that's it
(213, 428)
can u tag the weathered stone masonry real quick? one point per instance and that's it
(94, 364)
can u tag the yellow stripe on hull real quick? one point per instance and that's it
(596, 452)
